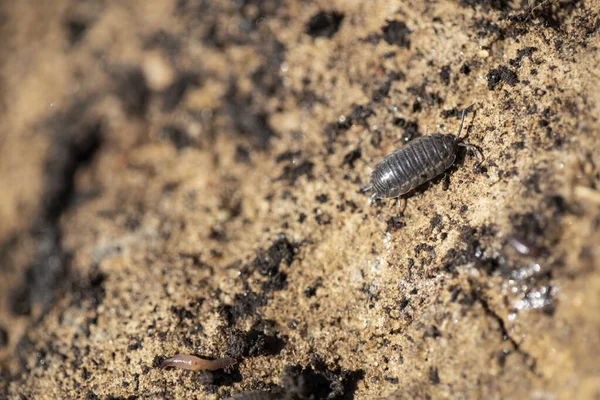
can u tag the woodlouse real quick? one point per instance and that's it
(417, 162)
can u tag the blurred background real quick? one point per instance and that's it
(183, 176)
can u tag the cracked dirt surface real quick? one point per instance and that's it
(184, 177)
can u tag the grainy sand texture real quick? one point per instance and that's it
(184, 177)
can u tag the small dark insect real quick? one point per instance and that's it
(417, 162)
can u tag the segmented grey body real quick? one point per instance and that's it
(415, 163)
(412, 165)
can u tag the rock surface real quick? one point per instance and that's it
(184, 177)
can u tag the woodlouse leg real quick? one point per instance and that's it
(446, 184)
(372, 199)
(401, 204)
(476, 152)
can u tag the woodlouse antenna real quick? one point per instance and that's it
(462, 120)
(531, 10)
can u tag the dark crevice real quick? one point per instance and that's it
(248, 118)
(529, 360)
(77, 139)
(324, 24)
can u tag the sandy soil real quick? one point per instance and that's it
(184, 177)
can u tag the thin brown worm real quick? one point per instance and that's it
(193, 363)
